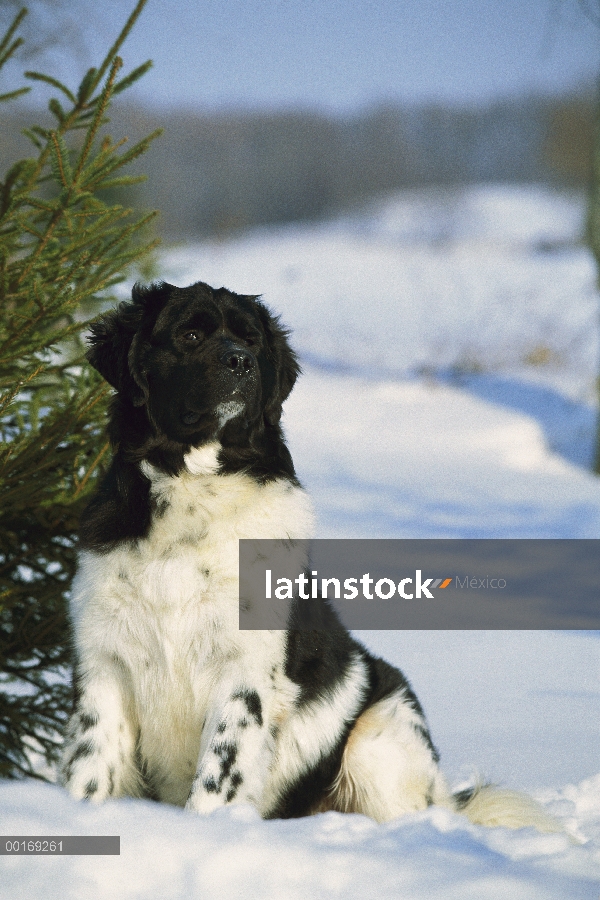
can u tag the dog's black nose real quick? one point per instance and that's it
(239, 361)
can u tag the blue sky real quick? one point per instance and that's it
(342, 54)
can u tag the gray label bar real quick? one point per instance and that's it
(63, 845)
(420, 584)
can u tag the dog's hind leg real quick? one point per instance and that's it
(389, 766)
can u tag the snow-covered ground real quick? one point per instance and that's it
(450, 347)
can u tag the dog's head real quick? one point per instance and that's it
(200, 363)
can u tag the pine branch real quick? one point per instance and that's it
(62, 248)
(108, 60)
(54, 82)
(12, 95)
(7, 45)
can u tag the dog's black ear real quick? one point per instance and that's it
(109, 346)
(284, 359)
(117, 339)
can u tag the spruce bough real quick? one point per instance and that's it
(63, 248)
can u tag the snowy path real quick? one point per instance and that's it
(413, 459)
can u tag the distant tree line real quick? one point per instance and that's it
(213, 173)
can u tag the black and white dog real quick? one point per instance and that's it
(174, 701)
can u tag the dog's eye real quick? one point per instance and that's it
(191, 336)
(249, 342)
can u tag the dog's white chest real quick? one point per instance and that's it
(178, 588)
(167, 607)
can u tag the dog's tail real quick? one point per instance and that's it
(485, 804)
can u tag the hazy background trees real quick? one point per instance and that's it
(216, 172)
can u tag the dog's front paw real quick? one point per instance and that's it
(202, 802)
(85, 773)
(218, 782)
(97, 761)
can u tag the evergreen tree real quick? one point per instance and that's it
(63, 246)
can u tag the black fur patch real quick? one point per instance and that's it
(81, 751)
(87, 721)
(235, 781)
(423, 732)
(464, 797)
(162, 507)
(305, 795)
(227, 754)
(317, 660)
(90, 788)
(253, 705)
(210, 785)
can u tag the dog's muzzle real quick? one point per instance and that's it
(237, 375)
(238, 360)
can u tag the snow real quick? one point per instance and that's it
(449, 342)
(232, 853)
(517, 215)
(407, 459)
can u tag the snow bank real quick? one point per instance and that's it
(168, 854)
